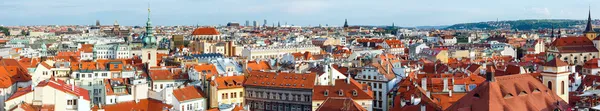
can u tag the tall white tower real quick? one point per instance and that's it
(555, 76)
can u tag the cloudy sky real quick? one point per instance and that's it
(297, 12)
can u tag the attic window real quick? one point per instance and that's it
(522, 93)
(354, 93)
(509, 95)
(536, 90)
(341, 92)
(326, 93)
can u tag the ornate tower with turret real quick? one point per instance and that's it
(149, 49)
(589, 29)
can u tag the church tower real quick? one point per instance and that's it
(589, 29)
(555, 76)
(346, 23)
(149, 50)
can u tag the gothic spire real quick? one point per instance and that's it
(346, 23)
(589, 28)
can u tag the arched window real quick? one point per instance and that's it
(148, 55)
(562, 87)
(550, 85)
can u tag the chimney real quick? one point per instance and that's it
(490, 77)
(445, 85)
(598, 62)
(424, 83)
(348, 78)
(450, 93)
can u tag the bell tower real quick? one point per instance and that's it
(149, 50)
(555, 76)
(589, 29)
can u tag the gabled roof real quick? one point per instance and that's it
(142, 105)
(280, 80)
(556, 63)
(64, 87)
(205, 31)
(167, 74)
(520, 92)
(347, 89)
(187, 93)
(340, 104)
(228, 82)
(572, 41)
(258, 65)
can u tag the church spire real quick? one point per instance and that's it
(589, 28)
(149, 39)
(346, 23)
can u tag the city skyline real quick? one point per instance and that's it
(303, 13)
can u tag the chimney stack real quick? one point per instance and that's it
(445, 85)
(424, 83)
(490, 77)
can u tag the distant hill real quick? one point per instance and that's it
(432, 27)
(519, 24)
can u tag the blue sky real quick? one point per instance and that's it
(297, 12)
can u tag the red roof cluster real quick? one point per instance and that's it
(280, 80)
(205, 31)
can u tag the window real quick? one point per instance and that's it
(550, 85)
(562, 87)
(241, 94)
(72, 102)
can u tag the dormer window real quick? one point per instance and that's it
(354, 93)
(509, 95)
(522, 93)
(326, 93)
(341, 92)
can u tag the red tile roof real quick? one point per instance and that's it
(166, 74)
(348, 90)
(142, 105)
(280, 80)
(11, 71)
(67, 88)
(205, 31)
(187, 93)
(228, 82)
(257, 66)
(556, 63)
(340, 104)
(20, 92)
(592, 64)
(513, 92)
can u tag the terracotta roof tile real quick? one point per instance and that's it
(340, 104)
(228, 82)
(348, 90)
(205, 31)
(187, 93)
(505, 94)
(142, 105)
(280, 80)
(67, 88)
